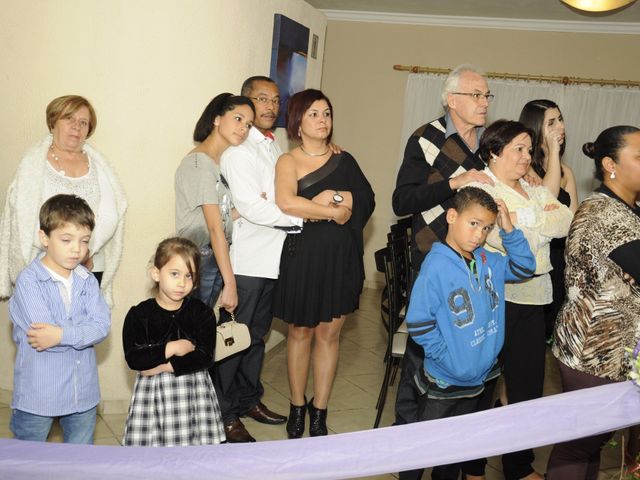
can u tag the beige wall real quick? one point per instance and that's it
(149, 67)
(368, 95)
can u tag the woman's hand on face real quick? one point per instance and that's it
(324, 198)
(504, 217)
(229, 298)
(341, 215)
(553, 143)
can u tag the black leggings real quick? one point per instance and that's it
(577, 459)
(523, 358)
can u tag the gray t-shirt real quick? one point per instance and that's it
(197, 183)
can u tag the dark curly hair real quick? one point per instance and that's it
(468, 196)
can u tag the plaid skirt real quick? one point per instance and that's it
(169, 411)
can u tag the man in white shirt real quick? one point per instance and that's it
(258, 236)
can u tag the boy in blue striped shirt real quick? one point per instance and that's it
(58, 315)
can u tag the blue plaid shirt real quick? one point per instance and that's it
(63, 379)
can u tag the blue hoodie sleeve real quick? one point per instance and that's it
(421, 316)
(520, 263)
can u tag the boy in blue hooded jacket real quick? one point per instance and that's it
(456, 311)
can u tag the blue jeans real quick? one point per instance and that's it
(76, 427)
(210, 284)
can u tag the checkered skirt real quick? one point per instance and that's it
(169, 411)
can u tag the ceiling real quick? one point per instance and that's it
(523, 9)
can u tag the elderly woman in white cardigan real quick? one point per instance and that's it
(63, 163)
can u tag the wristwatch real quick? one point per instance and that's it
(337, 198)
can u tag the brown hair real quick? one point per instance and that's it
(185, 249)
(61, 209)
(300, 103)
(64, 107)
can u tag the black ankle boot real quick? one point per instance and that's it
(317, 420)
(295, 424)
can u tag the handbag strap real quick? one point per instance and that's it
(231, 314)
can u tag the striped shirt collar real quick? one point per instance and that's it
(43, 274)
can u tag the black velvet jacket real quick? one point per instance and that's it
(148, 328)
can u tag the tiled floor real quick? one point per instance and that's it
(352, 405)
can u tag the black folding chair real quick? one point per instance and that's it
(394, 262)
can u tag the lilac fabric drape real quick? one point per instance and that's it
(535, 423)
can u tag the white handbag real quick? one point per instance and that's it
(231, 337)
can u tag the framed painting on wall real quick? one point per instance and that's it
(289, 50)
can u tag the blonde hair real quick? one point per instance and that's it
(67, 105)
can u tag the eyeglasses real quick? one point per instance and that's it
(477, 96)
(265, 100)
(81, 123)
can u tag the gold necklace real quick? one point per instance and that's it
(314, 154)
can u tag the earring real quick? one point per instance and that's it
(494, 158)
(299, 131)
(613, 175)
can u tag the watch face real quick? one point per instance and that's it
(337, 198)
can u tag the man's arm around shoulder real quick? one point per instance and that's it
(240, 167)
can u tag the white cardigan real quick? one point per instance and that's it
(19, 220)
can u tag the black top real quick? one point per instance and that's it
(627, 255)
(321, 269)
(148, 328)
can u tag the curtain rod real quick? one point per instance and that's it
(532, 78)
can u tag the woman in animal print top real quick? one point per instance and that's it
(601, 313)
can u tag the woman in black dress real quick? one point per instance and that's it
(321, 269)
(545, 119)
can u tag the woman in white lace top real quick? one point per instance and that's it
(63, 163)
